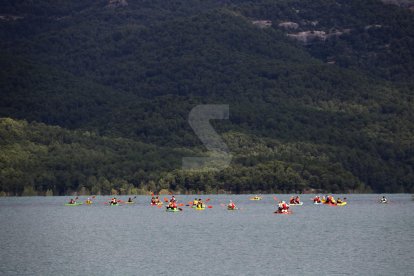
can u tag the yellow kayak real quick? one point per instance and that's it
(256, 198)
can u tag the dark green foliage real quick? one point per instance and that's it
(129, 76)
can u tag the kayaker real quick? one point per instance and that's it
(280, 206)
(297, 200)
(71, 201)
(330, 200)
(195, 202)
(285, 207)
(153, 201)
(114, 201)
(199, 203)
(231, 205)
(173, 199)
(317, 199)
(338, 200)
(130, 200)
(383, 199)
(88, 201)
(292, 200)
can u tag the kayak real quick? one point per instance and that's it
(283, 213)
(296, 204)
(172, 210)
(232, 209)
(73, 204)
(88, 202)
(255, 198)
(115, 204)
(200, 208)
(317, 203)
(127, 202)
(157, 204)
(336, 204)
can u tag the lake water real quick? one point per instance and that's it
(41, 236)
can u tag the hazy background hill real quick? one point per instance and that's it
(96, 95)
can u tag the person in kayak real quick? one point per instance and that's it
(153, 202)
(330, 200)
(88, 201)
(231, 205)
(338, 200)
(280, 206)
(297, 200)
(200, 203)
(292, 200)
(173, 199)
(195, 202)
(172, 205)
(317, 199)
(71, 201)
(384, 199)
(157, 200)
(114, 201)
(130, 200)
(285, 207)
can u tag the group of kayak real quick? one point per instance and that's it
(284, 208)
(155, 201)
(329, 200)
(112, 202)
(198, 204)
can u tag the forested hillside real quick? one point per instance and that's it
(96, 95)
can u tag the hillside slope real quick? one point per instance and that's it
(341, 100)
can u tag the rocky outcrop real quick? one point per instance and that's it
(288, 25)
(308, 37)
(117, 3)
(9, 17)
(408, 4)
(262, 23)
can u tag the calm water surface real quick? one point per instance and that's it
(41, 236)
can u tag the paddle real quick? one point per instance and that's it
(131, 199)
